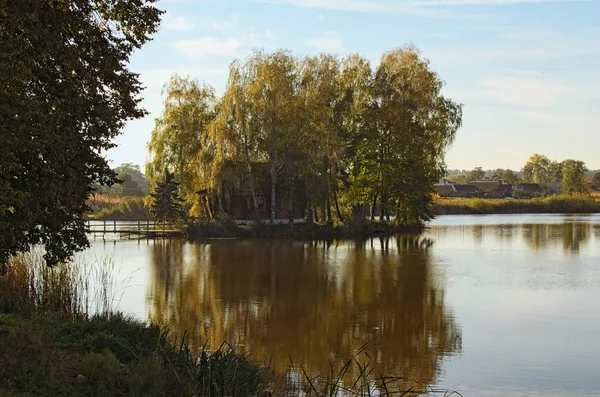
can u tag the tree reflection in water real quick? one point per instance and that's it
(313, 302)
(572, 235)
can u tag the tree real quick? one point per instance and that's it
(406, 111)
(509, 176)
(573, 177)
(476, 174)
(66, 93)
(596, 181)
(321, 154)
(272, 93)
(180, 141)
(324, 129)
(133, 181)
(539, 169)
(166, 202)
(235, 139)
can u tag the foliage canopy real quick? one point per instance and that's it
(321, 130)
(65, 93)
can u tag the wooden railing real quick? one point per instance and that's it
(140, 226)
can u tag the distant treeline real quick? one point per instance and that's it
(573, 174)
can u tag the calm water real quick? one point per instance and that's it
(487, 305)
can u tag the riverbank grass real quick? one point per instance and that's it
(59, 337)
(561, 204)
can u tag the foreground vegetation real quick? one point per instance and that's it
(553, 204)
(59, 337)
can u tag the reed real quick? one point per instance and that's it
(551, 204)
(120, 208)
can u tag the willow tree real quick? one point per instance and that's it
(272, 94)
(409, 125)
(235, 139)
(66, 92)
(322, 151)
(180, 141)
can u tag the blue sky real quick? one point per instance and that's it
(527, 71)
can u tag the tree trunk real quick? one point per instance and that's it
(211, 213)
(204, 200)
(253, 193)
(291, 201)
(316, 212)
(328, 204)
(309, 212)
(337, 207)
(273, 186)
(373, 208)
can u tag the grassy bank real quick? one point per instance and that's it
(60, 337)
(552, 205)
(299, 231)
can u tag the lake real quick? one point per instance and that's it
(490, 305)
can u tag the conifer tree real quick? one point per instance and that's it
(166, 202)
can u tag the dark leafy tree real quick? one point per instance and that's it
(166, 202)
(65, 93)
(596, 181)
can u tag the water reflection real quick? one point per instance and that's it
(572, 234)
(311, 301)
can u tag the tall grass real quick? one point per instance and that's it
(104, 207)
(29, 286)
(551, 204)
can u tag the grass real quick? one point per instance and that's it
(106, 207)
(551, 204)
(59, 336)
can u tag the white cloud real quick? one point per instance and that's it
(321, 17)
(400, 6)
(182, 23)
(330, 42)
(203, 47)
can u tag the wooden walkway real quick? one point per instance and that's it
(135, 228)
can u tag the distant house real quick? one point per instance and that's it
(504, 190)
(530, 189)
(551, 188)
(467, 191)
(458, 190)
(487, 186)
(444, 181)
(444, 190)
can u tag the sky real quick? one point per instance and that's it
(526, 71)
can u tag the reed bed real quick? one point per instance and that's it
(551, 204)
(103, 207)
